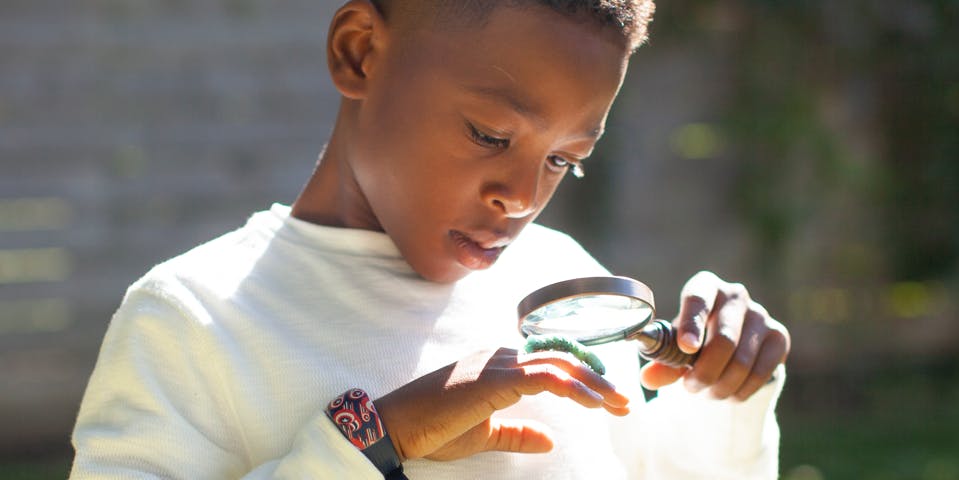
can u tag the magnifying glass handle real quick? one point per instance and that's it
(658, 339)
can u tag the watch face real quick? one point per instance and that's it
(356, 417)
(354, 414)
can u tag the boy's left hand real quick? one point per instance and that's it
(743, 345)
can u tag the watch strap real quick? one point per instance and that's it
(355, 416)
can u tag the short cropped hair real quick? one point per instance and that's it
(630, 18)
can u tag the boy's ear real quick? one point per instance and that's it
(350, 46)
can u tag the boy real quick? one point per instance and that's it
(390, 273)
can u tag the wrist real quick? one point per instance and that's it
(384, 408)
(356, 417)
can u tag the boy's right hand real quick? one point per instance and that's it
(445, 415)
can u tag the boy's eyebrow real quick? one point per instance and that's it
(509, 97)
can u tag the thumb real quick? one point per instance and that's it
(656, 375)
(520, 436)
(695, 305)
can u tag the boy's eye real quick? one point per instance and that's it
(485, 140)
(559, 163)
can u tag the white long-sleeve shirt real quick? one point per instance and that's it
(219, 364)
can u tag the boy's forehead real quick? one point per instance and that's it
(535, 67)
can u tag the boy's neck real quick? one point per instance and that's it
(331, 195)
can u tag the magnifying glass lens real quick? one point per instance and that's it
(589, 319)
(595, 310)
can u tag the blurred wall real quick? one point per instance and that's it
(130, 131)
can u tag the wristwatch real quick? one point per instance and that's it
(356, 417)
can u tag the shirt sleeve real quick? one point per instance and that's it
(691, 436)
(156, 407)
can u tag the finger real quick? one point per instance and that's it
(576, 369)
(773, 351)
(520, 436)
(724, 329)
(550, 378)
(696, 301)
(655, 375)
(566, 360)
(744, 358)
(618, 411)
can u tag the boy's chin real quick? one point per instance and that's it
(446, 275)
(450, 272)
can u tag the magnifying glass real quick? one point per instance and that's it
(597, 310)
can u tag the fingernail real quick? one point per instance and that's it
(617, 401)
(690, 339)
(594, 395)
(693, 385)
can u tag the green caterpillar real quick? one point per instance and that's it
(538, 343)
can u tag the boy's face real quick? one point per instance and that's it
(463, 135)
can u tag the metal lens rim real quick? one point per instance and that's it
(584, 287)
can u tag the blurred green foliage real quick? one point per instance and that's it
(897, 425)
(850, 104)
(43, 468)
(843, 118)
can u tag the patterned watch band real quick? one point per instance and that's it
(354, 414)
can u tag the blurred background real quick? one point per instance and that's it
(807, 149)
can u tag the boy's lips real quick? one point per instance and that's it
(477, 252)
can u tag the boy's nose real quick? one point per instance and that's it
(514, 207)
(516, 197)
